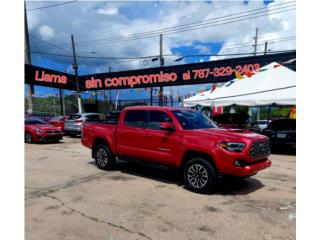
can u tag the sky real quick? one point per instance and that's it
(104, 29)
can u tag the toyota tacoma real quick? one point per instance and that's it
(179, 137)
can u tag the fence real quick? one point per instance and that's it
(52, 105)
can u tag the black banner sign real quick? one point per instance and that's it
(49, 78)
(196, 73)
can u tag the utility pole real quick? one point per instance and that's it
(27, 60)
(265, 48)
(254, 54)
(161, 65)
(62, 106)
(151, 100)
(255, 42)
(110, 101)
(265, 53)
(75, 67)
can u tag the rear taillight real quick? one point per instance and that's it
(79, 121)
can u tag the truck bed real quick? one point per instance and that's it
(104, 130)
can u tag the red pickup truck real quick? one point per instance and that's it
(178, 137)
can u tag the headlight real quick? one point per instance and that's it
(232, 146)
(38, 130)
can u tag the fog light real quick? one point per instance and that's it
(239, 163)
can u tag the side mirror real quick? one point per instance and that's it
(167, 126)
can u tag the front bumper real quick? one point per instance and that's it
(226, 162)
(251, 169)
(72, 129)
(48, 137)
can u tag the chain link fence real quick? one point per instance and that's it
(53, 106)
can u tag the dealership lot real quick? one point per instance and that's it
(67, 197)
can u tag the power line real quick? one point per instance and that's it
(169, 29)
(179, 31)
(184, 25)
(181, 16)
(51, 44)
(175, 32)
(236, 46)
(50, 6)
(58, 46)
(249, 44)
(153, 56)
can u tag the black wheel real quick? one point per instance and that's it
(28, 137)
(200, 176)
(103, 157)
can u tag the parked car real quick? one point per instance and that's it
(181, 138)
(232, 120)
(260, 125)
(37, 130)
(113, 117)
(282, 132)
(42, 116)
(73, 125)
(58, 121)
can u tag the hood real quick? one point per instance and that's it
(232, 134)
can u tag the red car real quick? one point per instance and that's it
(178, 137)
(58, 121)
(37, 130)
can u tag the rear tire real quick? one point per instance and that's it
(103, 157)
(200, 176)
(27, 137)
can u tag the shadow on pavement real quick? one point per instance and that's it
(227, 185)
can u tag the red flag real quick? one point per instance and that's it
(249, 74)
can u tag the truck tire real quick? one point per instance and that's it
(200, 176)
(103, 157)
(27, 137)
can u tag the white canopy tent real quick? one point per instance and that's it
(274, 84)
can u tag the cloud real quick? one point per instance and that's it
(108, 11)
(128, 18)
(46, 32)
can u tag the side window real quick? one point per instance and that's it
(157, 117)
(135, 118)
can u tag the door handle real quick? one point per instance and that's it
(147, 135)
(122, 131)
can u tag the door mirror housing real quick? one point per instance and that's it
(167, 126)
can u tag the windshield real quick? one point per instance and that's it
(34, 121)
(193, 120)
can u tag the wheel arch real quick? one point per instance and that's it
(189, 154)
(96, 141)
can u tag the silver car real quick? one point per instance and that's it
(73, 125)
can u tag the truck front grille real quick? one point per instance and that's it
(260, 149)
